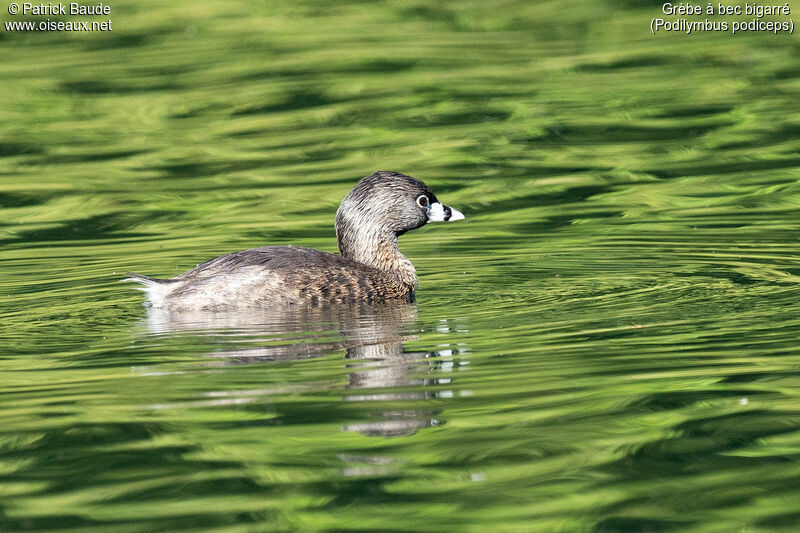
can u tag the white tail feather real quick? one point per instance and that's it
(156, 291)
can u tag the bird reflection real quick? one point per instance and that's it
(371, 335)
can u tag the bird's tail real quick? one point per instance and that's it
(155, 288)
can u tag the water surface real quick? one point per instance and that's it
(609, 342)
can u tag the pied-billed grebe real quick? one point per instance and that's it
(380, 208)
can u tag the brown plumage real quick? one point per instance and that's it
(370, 268)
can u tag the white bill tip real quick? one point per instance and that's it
(442, 213)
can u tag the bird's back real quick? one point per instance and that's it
(273, 275)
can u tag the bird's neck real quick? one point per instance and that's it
(377, 248)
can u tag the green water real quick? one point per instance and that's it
(608, 343)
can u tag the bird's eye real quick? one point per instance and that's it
(422, 201)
